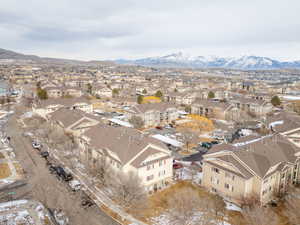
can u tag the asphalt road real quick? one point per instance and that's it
(36, 172)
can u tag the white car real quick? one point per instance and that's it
(75, 185)
(36, 145)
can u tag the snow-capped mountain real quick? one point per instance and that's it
(184, 60)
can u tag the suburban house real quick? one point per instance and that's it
(154, 114)
(259, 168)
(73, 121)
(128, 150)
(215, 109)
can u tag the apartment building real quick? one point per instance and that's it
(126, 149)
(214, 109)
(155, 114)
(261, 168)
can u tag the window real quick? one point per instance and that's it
(160, 163)
(148, 167)
(226, 186)
(216, 170)
(232, 189)
(213, 190)
(150, 177)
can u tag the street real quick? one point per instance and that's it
(45, 187)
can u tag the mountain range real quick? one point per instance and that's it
(181, 60)
(176, 60)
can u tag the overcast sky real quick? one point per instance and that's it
(110, 29)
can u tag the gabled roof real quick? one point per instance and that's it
(161, 107)
(260, 155)
(283, 121)
(126, 143)
(68, 117)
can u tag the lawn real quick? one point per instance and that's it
(4, 171)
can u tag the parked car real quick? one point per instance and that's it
(63, 174)
(75, 185)
(87, 202)
(177, 166)
(36, 145)
(214, 142)
(207, 145)
(159, 128)
(44, 154)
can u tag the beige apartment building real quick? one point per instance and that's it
(128, 150)
(154, 114)
(262, 168)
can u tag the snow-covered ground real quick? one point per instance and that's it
(22, 212)
(165, 219)
(232, 207)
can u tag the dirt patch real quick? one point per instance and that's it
(4, 171)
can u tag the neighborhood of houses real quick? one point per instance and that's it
(230, 137)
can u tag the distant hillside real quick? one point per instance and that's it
(11, 55)
(184, 61)
(7, 54)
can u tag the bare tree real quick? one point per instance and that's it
(136, 121)
(188, 136)
(217, 208)
(127, 189)
(292, 206)
(187, 208)
(257, 215)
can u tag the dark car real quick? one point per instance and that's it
(44, 154)
(207, 145)
(86, 201)
(214, 142)
(63, 174)
(159, 128)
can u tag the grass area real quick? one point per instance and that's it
(4, 171)
(1, 156)
(151, 99)
(158, 202)
(19, 168)
(47, 221)
(197, 124)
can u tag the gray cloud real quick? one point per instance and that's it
(135, 28)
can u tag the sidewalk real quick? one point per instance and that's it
(99, 196)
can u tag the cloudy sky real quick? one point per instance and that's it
(110, 29)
